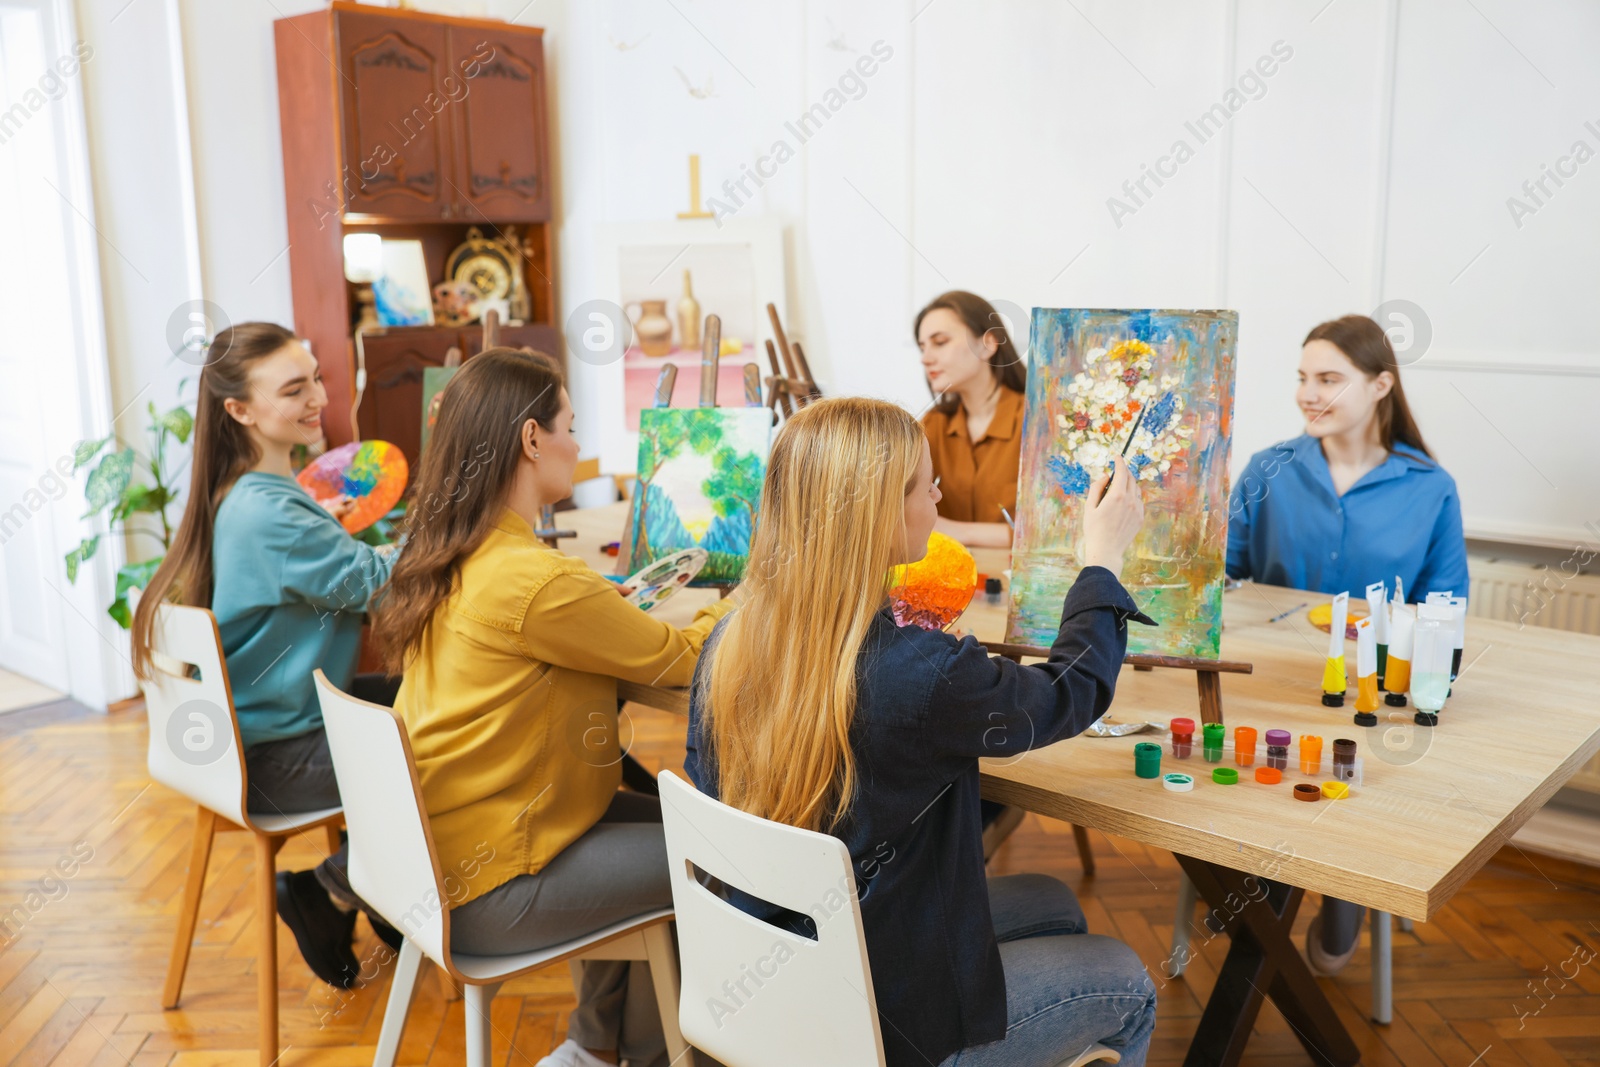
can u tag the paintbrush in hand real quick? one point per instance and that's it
(1131, 434)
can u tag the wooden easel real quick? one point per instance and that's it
(1207, 672)
(710, 368)
(790, 386)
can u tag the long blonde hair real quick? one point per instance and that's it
(781, 696)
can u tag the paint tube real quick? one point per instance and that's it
(1366, 672)
(1402, 641)
(1458, 620)
(1334, 682)
(1430, 661)
(1378, 612)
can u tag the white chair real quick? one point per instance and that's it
(1382, 949)
(195, 749)
(394, 868)
(734, 1005)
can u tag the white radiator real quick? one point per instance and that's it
(1558, 597)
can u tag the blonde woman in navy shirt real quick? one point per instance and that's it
(1356, 499)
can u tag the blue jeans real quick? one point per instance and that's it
(1066, 989)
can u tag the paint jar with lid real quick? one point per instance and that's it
(1344, 759)
(1244, 745)
(1182, 738)
(1213, 734)
(1310, 754)
(1278, 749)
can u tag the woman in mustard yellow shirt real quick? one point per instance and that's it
(510, 652)
(975, 427)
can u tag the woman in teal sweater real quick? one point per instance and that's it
(288, 587)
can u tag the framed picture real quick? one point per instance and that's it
(401, 293)
(734, 272)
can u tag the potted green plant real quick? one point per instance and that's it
(114, 491)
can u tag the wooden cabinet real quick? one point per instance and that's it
(391, 406)
(395, 116)
(545, 339)
(409, 125)
(500, 136)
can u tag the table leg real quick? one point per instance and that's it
(1257, 915)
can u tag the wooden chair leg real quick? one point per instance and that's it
(334, 844)
(664, 976)
(205, 828)
(449, 988)
(1085, 853)
(267, 944)
(996, 833)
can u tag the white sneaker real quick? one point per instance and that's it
(571, 1054)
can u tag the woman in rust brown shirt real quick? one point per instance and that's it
(975, 427)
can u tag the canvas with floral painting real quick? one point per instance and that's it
(1097, 377)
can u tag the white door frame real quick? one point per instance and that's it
(75, 399)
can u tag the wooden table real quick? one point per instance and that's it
(1434, 805)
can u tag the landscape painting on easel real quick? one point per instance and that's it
(700, 475)
(1093, 375)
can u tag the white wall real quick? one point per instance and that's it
(1375, 165)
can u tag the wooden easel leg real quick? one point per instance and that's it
(1085, 853)
(334, 844)
(267, 944)
(205, 828)
(1210, 683)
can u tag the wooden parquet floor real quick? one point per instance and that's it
(83, 954)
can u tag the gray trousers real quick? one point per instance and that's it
(296, 774)
(615, 871)
(1341, 923)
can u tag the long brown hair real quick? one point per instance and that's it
(979, 316)
(778, 711)
(1364, 343)
(462, 486)
(221, 451)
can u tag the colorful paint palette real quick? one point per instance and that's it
(933, 592)
(662, 578)
(371, 473)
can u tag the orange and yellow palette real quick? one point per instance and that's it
(934, 591)
(1091, 375)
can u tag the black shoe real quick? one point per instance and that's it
(320, 929)
(386, 933)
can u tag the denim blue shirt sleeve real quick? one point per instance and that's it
(290, 587)
(927, 707)
(1287, 526)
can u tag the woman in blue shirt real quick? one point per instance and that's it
(1356, 499)
(288, 587)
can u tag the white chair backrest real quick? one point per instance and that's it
(392, 861)
(754, 994)
(194, 736)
